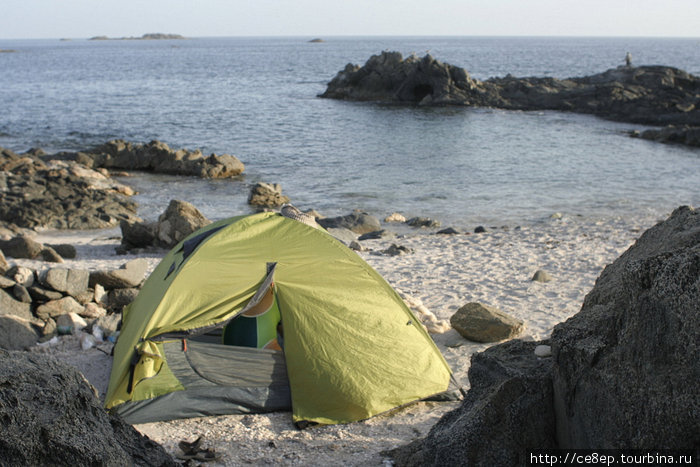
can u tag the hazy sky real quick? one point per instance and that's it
(319, 18)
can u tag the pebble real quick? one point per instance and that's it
(543, 351)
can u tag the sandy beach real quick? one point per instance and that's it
(444, 273)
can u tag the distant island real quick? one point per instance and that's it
(145, 37)
(317, 40)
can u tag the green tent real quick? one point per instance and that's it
(350, 348)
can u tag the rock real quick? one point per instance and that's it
(16, 333)
(52, 416)
(21, 247)
(10, 306)
(423, 222)
(59, 307)
(358, 222)
(483, 323)
(397, 250)
(17, 325)
(267, 195)
(541, 276)
(138, 234)
(20, 292)
(50, 255)
(395, 217)
(70, 281)
(480, 229)
(178, 221)
(72, 321)
(100, 296)
(377, 234)
(65, 251)
(356, 246)
(448, 231)
(21, 275)
(623, 364)
(131, 274)
(93, 311)
(119, 298)
(654, 95)
(506, 413)
(543, 351)
(41, 294)
(6, 282)
(4, 265)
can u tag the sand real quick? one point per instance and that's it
(444, 272)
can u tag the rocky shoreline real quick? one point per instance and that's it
(649, 95)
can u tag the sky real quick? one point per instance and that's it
(40, 19)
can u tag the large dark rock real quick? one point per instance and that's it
(655, 95)
(507, 412)
(687, 135)
(626, 366)
(51, 416)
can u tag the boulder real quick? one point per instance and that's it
(483, 323)
(376, 235)
(58, 307)
(40, 294)
(395, 217)
(507, 412)
(66, 251)
(21, 275)
(130, 274)
(21, 247)
(52, 416)
(69, 323)
(50, 255)
(21, 293)
(17, 325)
(358, 222)
(93, 311)
(178, 221)
(6, 282)
(267, 195)
(624, 366)
(685, 134)
(70, 281)
(344, 235)
(138, 234)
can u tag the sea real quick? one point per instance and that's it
(258, 98)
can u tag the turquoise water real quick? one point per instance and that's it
(256, 98)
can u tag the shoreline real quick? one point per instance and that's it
(444, 272)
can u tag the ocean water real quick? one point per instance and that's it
(256, 98)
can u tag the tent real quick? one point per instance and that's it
(344, 346)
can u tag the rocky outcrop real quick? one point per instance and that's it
(654, 95)
(483, 323)
(156, 156)
(34, 193)
(52, 416)
(621, 374)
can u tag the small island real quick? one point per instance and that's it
(317, 40)
(146, 37)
